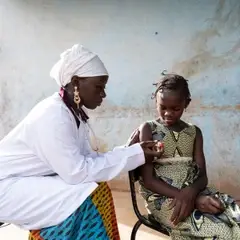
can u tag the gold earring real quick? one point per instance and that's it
(76, 97)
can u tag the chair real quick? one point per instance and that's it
(147, 220)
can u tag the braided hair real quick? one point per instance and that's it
(173, 82)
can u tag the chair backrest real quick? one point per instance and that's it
(133, 178)
(135, 174)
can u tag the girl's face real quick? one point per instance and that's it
(170, 106)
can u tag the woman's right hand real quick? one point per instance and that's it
(152, 149)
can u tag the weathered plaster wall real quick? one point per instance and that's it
(136, 39)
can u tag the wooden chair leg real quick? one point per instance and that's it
(135, 229)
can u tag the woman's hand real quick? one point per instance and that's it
(152, 149)
(209, 204)
(183, 204)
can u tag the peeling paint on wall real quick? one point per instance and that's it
(224, 22)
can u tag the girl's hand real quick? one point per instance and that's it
(183, 204)
(209, 204)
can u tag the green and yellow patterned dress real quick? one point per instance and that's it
(177, 168)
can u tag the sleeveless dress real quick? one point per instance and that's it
(177, 168)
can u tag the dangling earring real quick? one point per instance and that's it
(76, 97)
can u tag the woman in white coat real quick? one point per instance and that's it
(52, 177)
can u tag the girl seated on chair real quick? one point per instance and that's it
(174, 186)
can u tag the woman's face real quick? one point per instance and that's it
(92, 91)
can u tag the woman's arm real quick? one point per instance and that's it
(55, 143)
(150, 181)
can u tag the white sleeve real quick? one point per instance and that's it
(55, 143)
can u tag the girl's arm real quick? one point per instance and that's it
(150, 180)
(202, 181)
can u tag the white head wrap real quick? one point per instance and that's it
(77, 61)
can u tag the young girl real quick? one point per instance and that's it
(174, 186)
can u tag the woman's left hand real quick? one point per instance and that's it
(134, 138)
(183, 204)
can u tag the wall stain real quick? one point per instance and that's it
(224, 21)
(237, 107)
(220, 108)
(227, 15)
(122, 112)
(227, 181)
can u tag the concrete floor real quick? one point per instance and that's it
(126, 220)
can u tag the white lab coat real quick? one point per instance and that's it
(48, 142)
